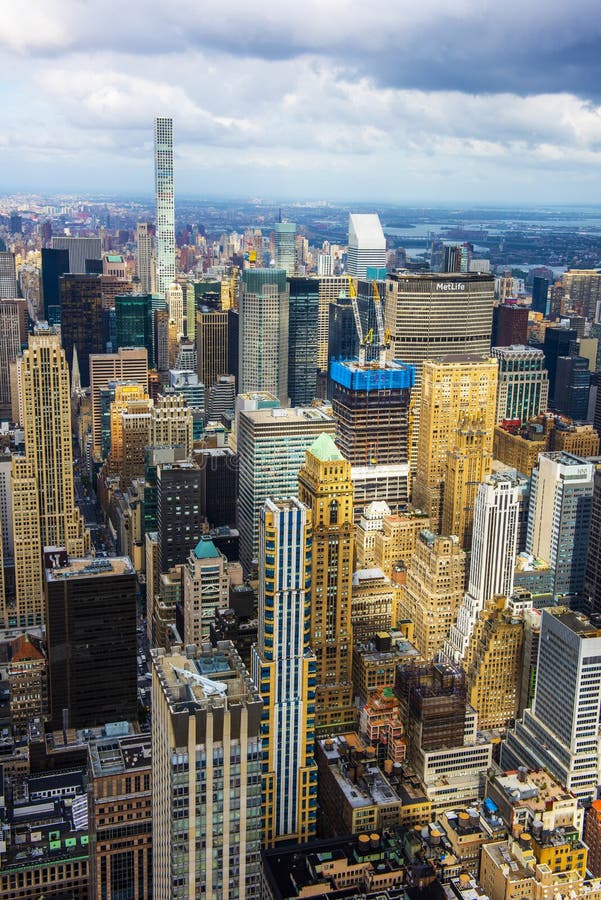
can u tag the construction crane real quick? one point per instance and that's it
(363, 340)
(383, 335)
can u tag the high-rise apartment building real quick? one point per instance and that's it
(206, 589)
(284, 669)
(81, 320)
(263, 361)
(46, 399)
(91, 634)
(271, 448)
(366, 245)
(372, 408)
(325, 486)
(561, 497)
(145, 259)
(165, 204)
(561, 731)
(207, 758)
(582, 291)
(433, 590)
(127, 364)
(134, 323)
(8, 276)
(492, 562)
(523, 386)
(455, 391)
(302, 340)
(120, 816)
(80, 249)
(10, 347)
(211, 345)
(438, 315)
(285, 247)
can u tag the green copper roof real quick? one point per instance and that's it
(325, 449)
(206, 549)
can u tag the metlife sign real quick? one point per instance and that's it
(450, 286)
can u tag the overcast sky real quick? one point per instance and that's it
(413, 101)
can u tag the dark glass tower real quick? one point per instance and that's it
(302, 340)
(134, 323)
(54, 264)
(81, 320)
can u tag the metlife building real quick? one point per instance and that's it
(443, 314)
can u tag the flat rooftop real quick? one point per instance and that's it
(278, 415)
(114, 756)
(91, 568)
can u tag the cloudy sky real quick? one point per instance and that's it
(413, 101)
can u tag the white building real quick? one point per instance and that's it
(144, 259)
(165, 204)
(366, 244)
(494, 549)
(562, 730)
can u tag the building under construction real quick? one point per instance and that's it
(371, 404)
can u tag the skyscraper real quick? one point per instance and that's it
(559, 518)
(540, 294)
(455, 392)
(81, 320)
(302, 340)
(211, 345)
(91, 633)
(47, 425)
(372, 410)
(264, 332)
(465, 468)
(165, 205)
(205, 585)
(27, 545)
(145, 258)
(206, 775)
(523, 386)
(433, 316)
(54, 264)
(8, 276)
(509, 325)
(326, 488)
(175, 305)
(80, 249)
(10, 347)
(134, 323)
(572, 387)
(561, 731)
(366, 245)
(593, 565)
(128, 364)
(285, 247)
(178, 512)
(284, 669)
(559, 341)
(271, 449)
(492, 563)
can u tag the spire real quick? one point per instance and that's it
(75, 376)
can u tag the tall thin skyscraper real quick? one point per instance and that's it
(325, 486)
(145, 259)
(165, 205)
(264, 332)
(285, 247)
(492, 565)
(47, 424)
(284, 669)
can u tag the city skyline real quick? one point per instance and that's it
(347, 102)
